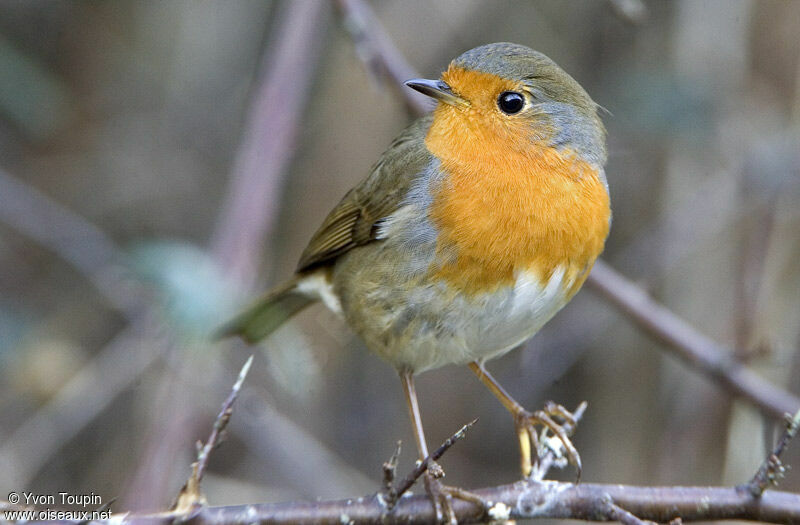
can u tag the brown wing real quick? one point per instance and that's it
(352, 222)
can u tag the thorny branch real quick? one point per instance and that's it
(526, 500)
(700, 351)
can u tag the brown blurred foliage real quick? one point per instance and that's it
(131, 114)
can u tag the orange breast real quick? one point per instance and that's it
(509, 204)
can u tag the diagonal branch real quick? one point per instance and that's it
(378, 53)
(698, 350)
(222, 420)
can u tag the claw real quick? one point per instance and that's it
(554, 419)
(554, 409)
(525, 438)
(526, 423)
(559, 431)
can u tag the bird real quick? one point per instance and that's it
(475, 227)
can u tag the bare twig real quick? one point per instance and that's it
(222, 420)
(422, 466)
(772, 469)
(548, 459)
(190, 495)
(389, 472)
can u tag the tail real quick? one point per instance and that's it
(268, 313)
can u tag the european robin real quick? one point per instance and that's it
(478, 224)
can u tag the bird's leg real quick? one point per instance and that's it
(439, 498)
(554, 418)
(441, 495)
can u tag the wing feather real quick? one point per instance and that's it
(352, 222)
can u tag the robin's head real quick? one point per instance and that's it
(510, 94)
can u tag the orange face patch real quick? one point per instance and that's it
(508, 202)
(483, 120)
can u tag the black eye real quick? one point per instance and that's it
(510, 102)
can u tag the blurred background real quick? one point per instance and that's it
(163, 162)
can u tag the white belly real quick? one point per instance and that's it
(521, 315)
(497, 323)
(432, 327)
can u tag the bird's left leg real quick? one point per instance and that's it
(554, 418)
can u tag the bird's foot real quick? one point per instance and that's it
(557, 424)
(442, 495)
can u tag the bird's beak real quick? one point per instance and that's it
(438, 90)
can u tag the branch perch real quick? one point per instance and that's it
(526, 500)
